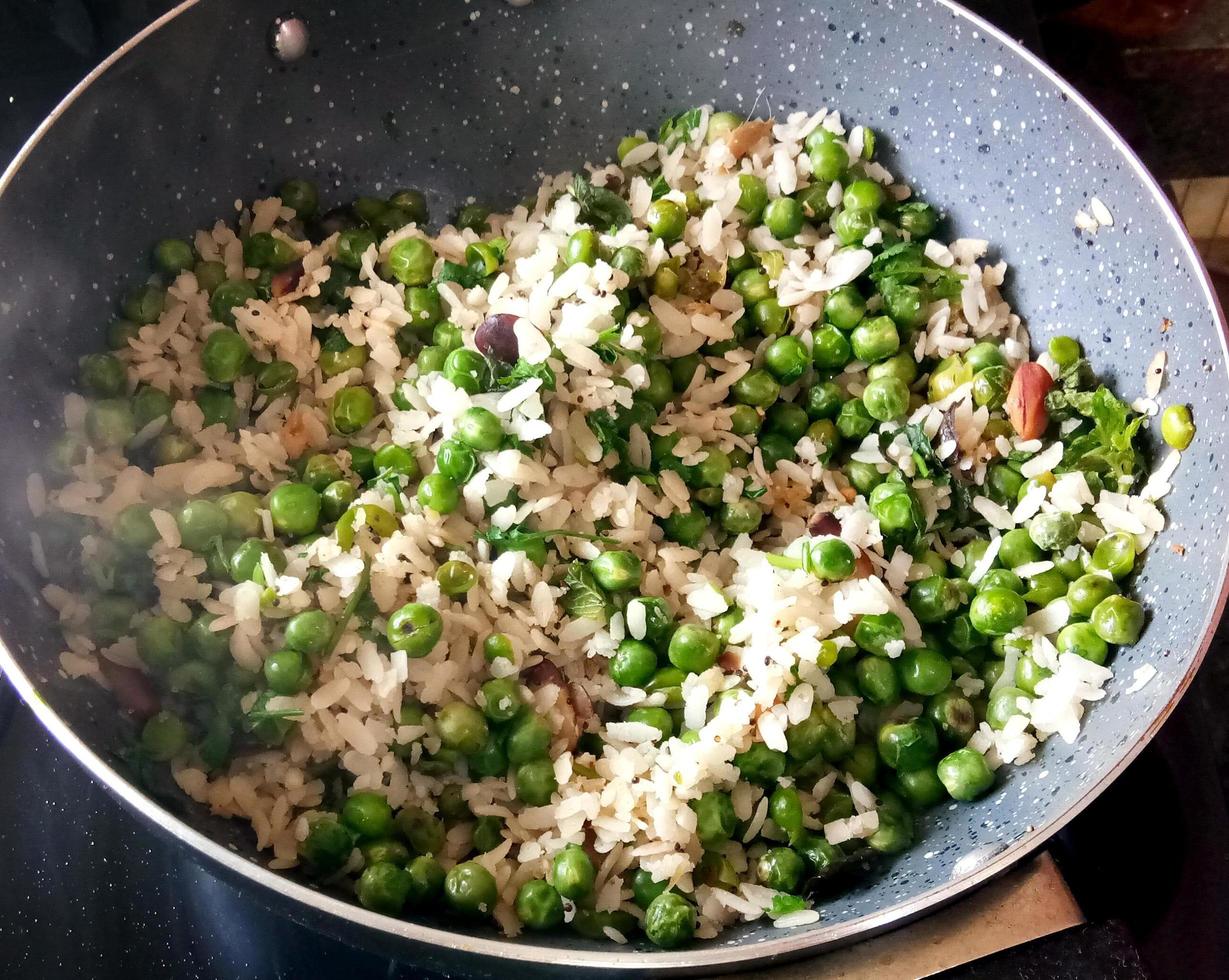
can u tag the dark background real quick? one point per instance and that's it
(87, 892)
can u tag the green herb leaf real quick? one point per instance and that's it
(603, 426)
(599, 207)
(260, 713)
(659, 188)
(783, 904)
(927, 461)
(678, 128)
(1109, 448)
(522, 371)
(463, 275)
(906, 263)
(585, 598)
(517, 538)
(348, 610)
(753, 492)
(772, 262)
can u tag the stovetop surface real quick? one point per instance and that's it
(89, 892)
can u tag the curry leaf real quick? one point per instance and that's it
(585, 598)
(599, 207)
(927, 461)
(522, 371)
(784, 904)
(679, 128)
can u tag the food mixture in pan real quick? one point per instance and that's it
(645, 560)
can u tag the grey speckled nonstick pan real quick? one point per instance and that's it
(476, 98)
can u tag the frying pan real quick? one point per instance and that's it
(476, 99)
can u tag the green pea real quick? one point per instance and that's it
(908, 745)
(351, 410)
(875, 630)
(497, 646)
(383, 887)
(900, 366)
(757, 388)
(1002, 706)
(309, 632)
(461, 727)
(658, 718)
(715, 819)
(886, 399)
(456, 578)
(276, 378)
(1001, 578)
(786, 359)
(1118, 619)
(336, 498)
(670, 921)
(785, 810)
(1017, 549)
(864, 476)
(1177, 428)
(685, 528)
(286, 672)
(535, 782)
(424, 832)
(990, 387)
(965, 774)
(1054, 531)
(352, 243)
(693, 649)
(645, 888)
(468, 370)
(480, 429)
(633, 663)
(164, 736)
(920, 788)
(173, 256)
(368, 815)
(301, 195)
(863, 194)
(753, 285)
(918, 219)
(209, 275)
(224, 356)
(1045, 587)
(1065, 350)
(851, 227)
(529, 738)
(875, 339)
(295, 509)
(120, 333)
(538, 905)
(760, 764)
(617, 571)
(245, 565)
(780, 868)
(501, 699)
(423, 305)
(924, 671)
(200, 523)
(572, 873)
(996, 612)
(228, 296)
(830, 348)
(666, 219)
(470, 889)
(411, 261)
(1083, 640)
(783, 217)
(456, 461)
(829, 161)
(109, 423)
(436, 492)
(753, 195)
(134, 528)
(953, 715)
(161, 642)
(103, 376)
(1114, 553)
(415, 628)
(877, 680)
(144, 304)
(327, 846)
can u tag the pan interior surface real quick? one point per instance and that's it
(474, 101)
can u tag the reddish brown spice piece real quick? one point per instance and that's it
(286, 281)
(133, 690)
(1026, 401)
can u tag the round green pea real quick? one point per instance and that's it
(572, 873)
(470, 889)
(438, 493)
(670, 921)
(535, 782)
(415, 628)
(538, 905)
(965, 774)
(1118, 619)
(1177, 427)
(693, 649)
